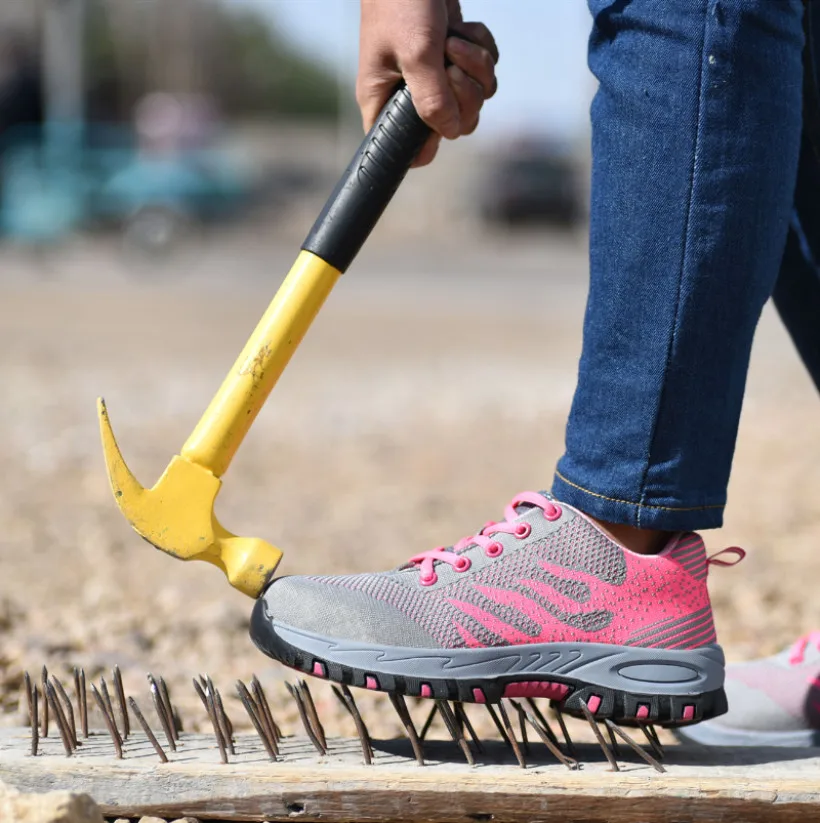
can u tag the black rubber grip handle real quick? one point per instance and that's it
(369, 183)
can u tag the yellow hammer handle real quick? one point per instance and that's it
(354, 207)
(227, 419)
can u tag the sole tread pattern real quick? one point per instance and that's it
(621, 707)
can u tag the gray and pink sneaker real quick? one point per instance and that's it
(774, 701)
(543, 604)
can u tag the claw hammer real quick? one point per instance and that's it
(177, 514)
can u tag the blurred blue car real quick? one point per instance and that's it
(56, 180)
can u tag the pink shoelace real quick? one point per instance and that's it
(797, 653)
(492, 548)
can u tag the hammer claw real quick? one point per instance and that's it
(177, 517)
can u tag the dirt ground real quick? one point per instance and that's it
(433, 387)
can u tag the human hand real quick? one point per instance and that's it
(409, 39)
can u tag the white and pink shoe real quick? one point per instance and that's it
(774, 701)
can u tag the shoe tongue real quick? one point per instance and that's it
(525, 507)
(520, 509)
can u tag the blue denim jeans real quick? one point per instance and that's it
(797, 293)
(696, 138)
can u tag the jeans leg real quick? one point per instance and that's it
(797, 293)
(696, 135)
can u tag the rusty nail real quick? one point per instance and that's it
(119, 690)
(267, 717)
(429, 721)
(614, 730)
(519, 755)
(108, 704)
(546, 739)
(51, 698)
(147, 729)
(400, 705)
(296, 693)
(501, 730)
(224, 720)
(109, 721)
(652, 737)
(34, 720)
(543, 722)
(169, 707)
(455, 732)
(69, 710)
(464, 721)
(162, 716)
(361, 728)
(601, 742)
(44, 682)
(220, 740)
(83, 704)
(254, 713)
(559, 716)
(313, 714)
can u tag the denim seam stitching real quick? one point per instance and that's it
(684, 257)
(641, 504)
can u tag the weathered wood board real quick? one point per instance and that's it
(700, 786)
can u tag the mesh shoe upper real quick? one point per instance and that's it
(562, 581)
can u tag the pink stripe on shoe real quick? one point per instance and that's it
(537, 688)
(319, 669)
(594, 703)
(371, 683)
(643, 712)
(478, 696)
(426, 690)
(689, 712)
(706, 636)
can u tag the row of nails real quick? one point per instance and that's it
(257, 707)
(456, 722)
(57, 704)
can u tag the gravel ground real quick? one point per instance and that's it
(427, 394)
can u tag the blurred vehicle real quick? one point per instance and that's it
(533, 183)
(156, 199)
(58, 179)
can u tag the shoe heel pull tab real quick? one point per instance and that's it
(738, 553)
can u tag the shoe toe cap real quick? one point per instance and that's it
(331, 609)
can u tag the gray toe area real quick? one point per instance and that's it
(341, 613)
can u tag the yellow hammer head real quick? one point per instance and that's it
(177, 517)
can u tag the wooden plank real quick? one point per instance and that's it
(700, 786)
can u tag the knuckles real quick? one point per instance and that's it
(434, 107)
(419, 47)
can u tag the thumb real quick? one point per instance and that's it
(433, 97)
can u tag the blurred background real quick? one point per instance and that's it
(160, 163)
(155, 119)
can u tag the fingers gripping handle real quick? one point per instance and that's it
(369, 183)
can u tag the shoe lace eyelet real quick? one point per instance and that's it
(462, 564)
(523, 530)
(429, 581)
(494, 550)
(553, 514)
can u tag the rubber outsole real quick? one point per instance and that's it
(623, 707)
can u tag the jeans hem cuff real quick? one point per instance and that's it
(641, 515)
